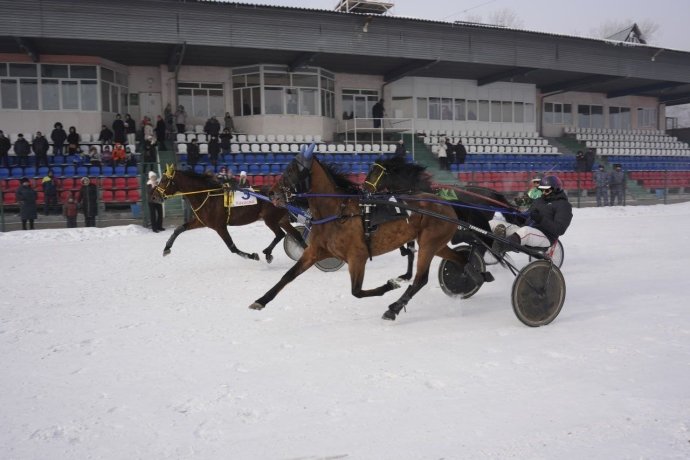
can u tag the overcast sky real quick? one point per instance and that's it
(570, 17)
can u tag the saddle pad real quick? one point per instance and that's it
(241, 198)
(382, 213)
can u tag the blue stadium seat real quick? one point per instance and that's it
(119, 170)
(131, 171)
(107, 170)
(94, 170)
(4, 173)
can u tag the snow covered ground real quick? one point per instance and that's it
(110, 351)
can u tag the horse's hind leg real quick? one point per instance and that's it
(223, 233)
(356, 268)
(192, 224)
(409, 252)
(279, 235)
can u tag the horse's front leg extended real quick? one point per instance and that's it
(223, 233)
(356, 268)
(420, 280)
(194, 223)
(307, 260)
(269, 250)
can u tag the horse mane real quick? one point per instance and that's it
(340, 178)
(410, 175)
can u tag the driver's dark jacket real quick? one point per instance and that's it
(556, 213)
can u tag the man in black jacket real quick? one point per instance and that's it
(88, 201)
(212, 127)
(40, 147)
(22, 149)
(549, 217)
(119, 130)
(58, 136)
(5, 146)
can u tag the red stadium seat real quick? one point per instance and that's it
(120, 196)
(107, 183)
(120, 183)
(133, 182)
(107, 196)
(9, 198)
(133, 195)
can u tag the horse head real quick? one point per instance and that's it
(296, 178)
(377, 178)
(167, 186)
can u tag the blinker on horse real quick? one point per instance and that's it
(206, 198)
(337, 230)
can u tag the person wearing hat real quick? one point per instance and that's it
(88, 201)
(243, 182)
(26, 197)
(617, 184)
(525, 200)
(155, 209)
(601, 183)
(22, 149)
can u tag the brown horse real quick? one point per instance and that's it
(337, 230)
(206, 197)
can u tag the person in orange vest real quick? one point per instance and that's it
(119, 155)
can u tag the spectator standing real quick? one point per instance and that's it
(580, 162)
(70, 211)
(243, 182)
(590, 156)
(168, 118)
(212, 127)
(213, 150)
(106, 136)
(442, 155)
(400, 150)
(150, 154)
(119, 135)
(22, 149)
(617, 184)
(460, 152)
(155, 209)
(160, 133)
(377, 113)
(229, 123)
(5, 146)
(73, 141)
(450, 152)
(50, 193)
(601, 182)
(88, 201)
(40, 147)
(192, 153)
(26, 197)
(147, 127)
(225, 138)
(180, 119)
(58, 136)
(119, 155)
(131, 131)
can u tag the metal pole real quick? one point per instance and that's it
(2, 212)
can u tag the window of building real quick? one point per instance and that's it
(402, 107)
(471, 110)
(558, 113)
(483, 114)
(434, 108)
(590, 116)
(359, 102)
(422, 108)
(496, 111)
(459, 110)
(646, 117)
(620, 118)
(202, 100)
(529, 112)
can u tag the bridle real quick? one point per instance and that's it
(291, 187)
(169, 173)
(375, 182)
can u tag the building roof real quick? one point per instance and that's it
(153, 32)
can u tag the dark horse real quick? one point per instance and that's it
(338, 231)
(474, 205)
(206, 198)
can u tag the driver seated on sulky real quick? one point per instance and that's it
(549, 218)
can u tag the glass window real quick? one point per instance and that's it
(70, 95)
(274, 101)
(50, 94)
(238, 81)
(107, 75)
(567, 114)
(246, 101)
(291, 101)
(529, 112)
(483, 114)
(548, 112)
(308, 101)
(3, 69)
(54, 71)
(236, 101)
(471, 110)
(9, 94)
(518, 112)
(105, 97)
(422, 108)
(89, 95)
(29, 93)
(446, 109)
(434, 108)
(401, 107)
(200, 105)
(124, 99)
(583, 116)
(23, 70)
(83, 71)
(256, 101)
(309, 81)
(460, 109)
(121, 79)
(597, 115)
(116, 103)
(216, 103)
(348, 104)
(496, 111)
(276, 79)
(507, 115)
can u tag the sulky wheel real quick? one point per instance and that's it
(556, 253)
(538, 293)
(294, 251)
(454, 279)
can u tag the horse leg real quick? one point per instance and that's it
(307, 260)
(279, 235)
(356, 268)
(223, 233)
(192, 224)
(409, 252)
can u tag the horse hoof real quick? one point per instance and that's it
(393, 284)
(269, 258)
(404, 277)
(166, 252)
(389, 315)
(256, 306)
(255, 256)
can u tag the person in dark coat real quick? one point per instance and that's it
(58, 136)
(400, 150)
(150, 154)
(549, 218)
(580, 162)
(26, 197)
(377, 113)
(617, 185)
(130, 130)
(73, 141)
(590, 156)
(22, 149)
(40, 147)
(213, 150)
(450, 152)
(460, 152)
(88, 201)
(601, 182)
(155, 208)
(119, 130)
(212, 127)
(225, 138)
(5, 146)
(70, 210)
(50, 193)
(192, 153)
(106, 136)
(160, 132)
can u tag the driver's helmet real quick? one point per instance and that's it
(551, 182)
